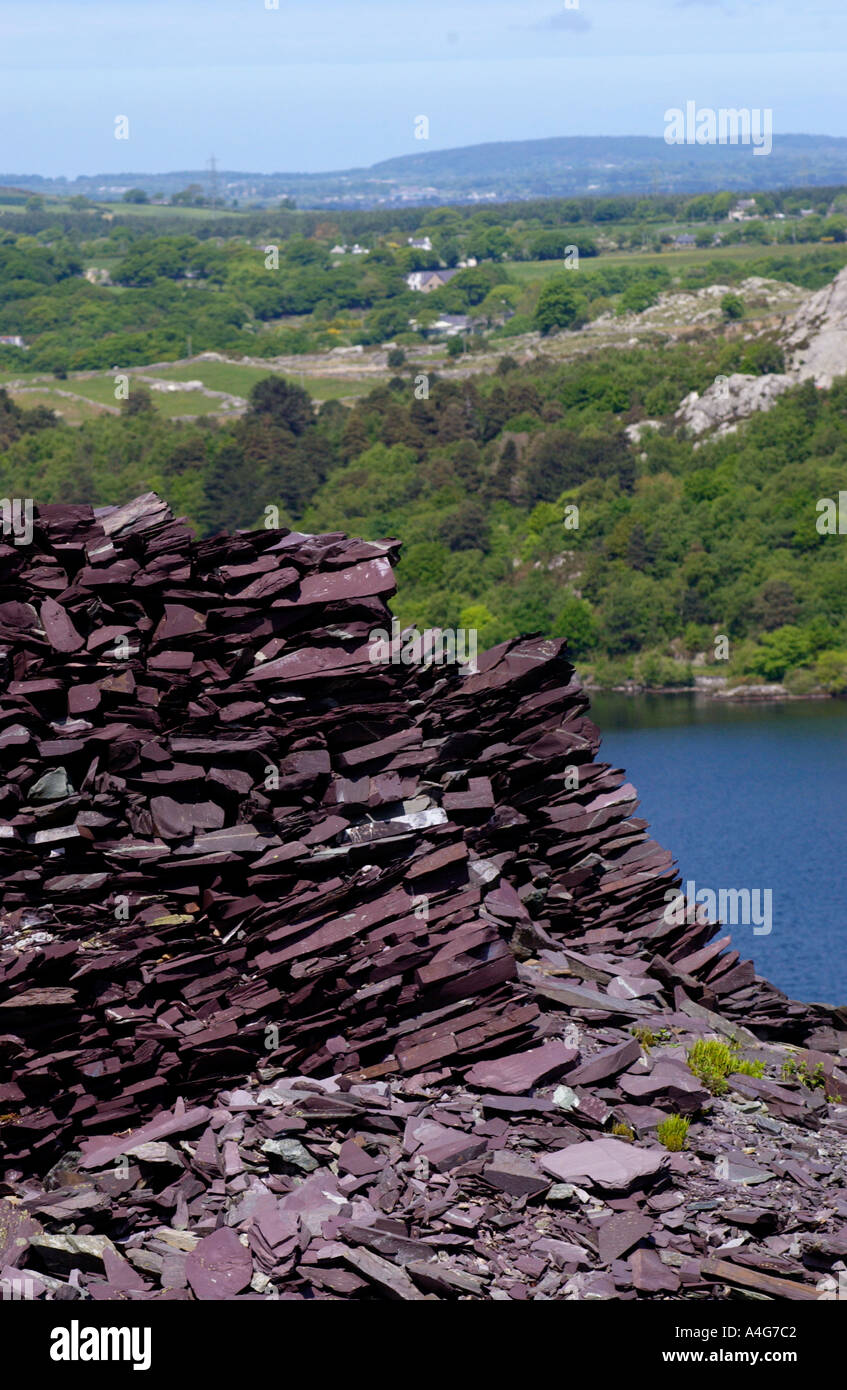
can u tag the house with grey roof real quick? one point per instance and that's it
(425, 281)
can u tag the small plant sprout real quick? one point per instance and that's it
(713, 1061)
(623, 1131)
(672, 1133)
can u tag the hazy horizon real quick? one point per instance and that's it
(321, 85)
(202, 166)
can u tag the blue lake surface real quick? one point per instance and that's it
(752, 797)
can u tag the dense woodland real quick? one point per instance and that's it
(674, 545)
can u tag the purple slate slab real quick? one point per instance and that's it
(605, 1064)
(178, 621)
(120, 1273)
(219, 1266)
(514, 1173)
(316, 1200)
(608, 1162)
(620, 1232)
(650, 1275)
(518, 1073)
(97, 1153)
(356, 581)
(175, 819)
(353, 1159)
(671, 1081)
(446, 1148)
(58, 627)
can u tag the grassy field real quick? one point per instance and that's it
(232, 377)
(238, 379)
(186, 403)
(95, 388)
(333, 388)
(218, 376)
(89, 396)
(161, 210)
(157, 211)
(73, 412)
(526, 272)
(7, 376)
(101, 389)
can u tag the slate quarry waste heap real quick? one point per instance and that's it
(233, 846)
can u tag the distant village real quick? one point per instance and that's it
(425, 278)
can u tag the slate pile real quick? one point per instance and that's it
(406, 900)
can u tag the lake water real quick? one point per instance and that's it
(751, 797)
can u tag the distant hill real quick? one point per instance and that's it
(502, 171)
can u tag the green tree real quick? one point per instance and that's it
(835, 227)
(466, 528)
(138, 402)
(577, 624)
(560, 305)
(637, 297)
(762, 356)
(630, 617)
(233, 494)
(636, 548)
(283, 403)
(831, 671)
(781, 650)
(775, 605)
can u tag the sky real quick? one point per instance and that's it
(331, 84)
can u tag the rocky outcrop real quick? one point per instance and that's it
(730, 400)
(814, 340)
(815, 337)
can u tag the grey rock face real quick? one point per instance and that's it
(732, 399)
(814, 339)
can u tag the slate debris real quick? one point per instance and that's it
(416, 1190)
(320, 979)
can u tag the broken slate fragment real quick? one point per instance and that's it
(219, 1266)
(608, 1162)
(620, 1233)
(515, 1174)
(605, 1064)
(518, 1073)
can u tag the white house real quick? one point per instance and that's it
(425, 281)
(451, 324)
(446, 324)
(744, 209)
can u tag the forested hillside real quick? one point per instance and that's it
(673, 545)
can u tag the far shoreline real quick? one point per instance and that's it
(750, 694)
